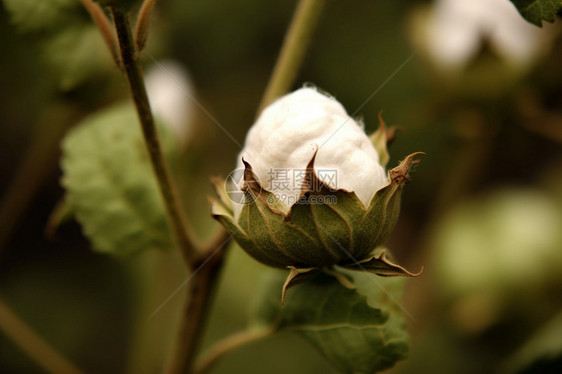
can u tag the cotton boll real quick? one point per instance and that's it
(314, 191)
(169, 88)
(454, 31)
(288, 133)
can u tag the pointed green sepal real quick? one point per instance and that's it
(333, 216)
(400, 175)
(277, 241)
(255, 191)
(382, 138)
(222, 212)
(220, 190)
(382, 266)
(297, 276)
(384, 208)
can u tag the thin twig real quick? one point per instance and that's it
(292, 53)
(200, 292)
(228, 344)
(104, 25)
(174, 210)
(143, 24)
(32, 344)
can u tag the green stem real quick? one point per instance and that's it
(200, 292)
(32, 344)
(205, 265)
(230, 343)
(168, 190)
(294, 47)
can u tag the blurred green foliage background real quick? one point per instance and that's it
(483, 212)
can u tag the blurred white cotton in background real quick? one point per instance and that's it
(455, 30)
(169, 88)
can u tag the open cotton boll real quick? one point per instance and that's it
(169, 87)
(456, 29)
(291, 216)
(287, 134)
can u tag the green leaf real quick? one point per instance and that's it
(77, 54)
(35, 16)
(296, 276)
(67, 39)
(536, 11)
(356, 333)
(542, 353)
(110, 184)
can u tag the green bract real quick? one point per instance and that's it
(325, 227)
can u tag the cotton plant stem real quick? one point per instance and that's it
(200, 293)
(168, 190)
(292, 53)
(205, 266)
(227, 345)
(33, 345)
(199, 299)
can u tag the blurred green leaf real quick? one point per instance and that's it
(33, 15)
(67, 38)
(535, 11)
(356, 334)
(542, 353)
(77, 53)
(497, 256)
(504, 244)
(110, 184)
